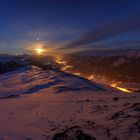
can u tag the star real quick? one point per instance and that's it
(37, 38)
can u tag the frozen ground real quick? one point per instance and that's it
(46, 105)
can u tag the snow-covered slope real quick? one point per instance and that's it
(51, 105)
(29, 80)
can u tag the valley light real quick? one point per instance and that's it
(120, 88)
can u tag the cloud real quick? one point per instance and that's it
(106, 31)
(115, 44)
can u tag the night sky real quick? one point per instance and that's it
(68, 25)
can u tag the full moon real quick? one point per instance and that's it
(39, 50)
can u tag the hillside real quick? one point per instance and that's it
(38, 104)
(31, 79)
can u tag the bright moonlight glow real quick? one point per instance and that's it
(39, 50)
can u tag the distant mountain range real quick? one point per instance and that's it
(11, 62)
(132, 53)
(108, 65)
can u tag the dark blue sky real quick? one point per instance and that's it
(68, 25)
